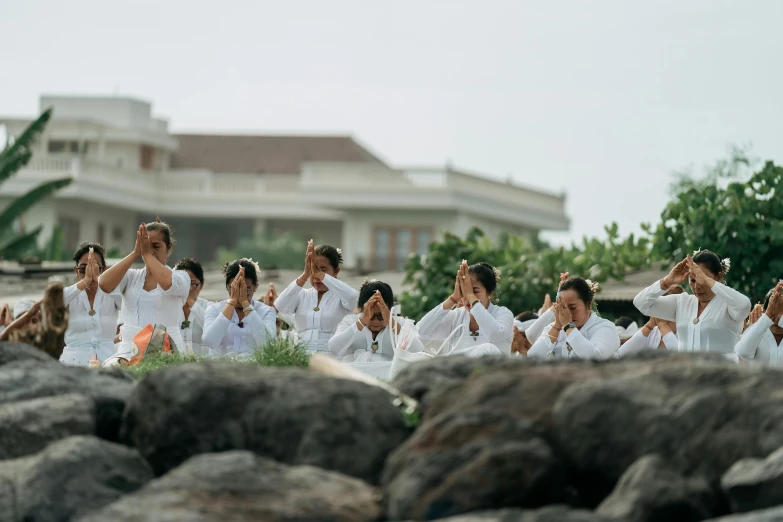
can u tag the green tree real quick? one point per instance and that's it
(15, 155)
(284, 251)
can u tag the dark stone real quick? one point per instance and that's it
(27, 427)
(12, 352)
(290, 415)
(765, 515)
(545, 514)
(238, 486)
(652, 491)
(69, 478)
(753, 484)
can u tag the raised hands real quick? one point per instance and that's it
(6, 317)
(143, 246)
(775, 306)
(93, 271)
(697, 274)
(237, 292)
(370, 308)
(308, 268)
(271, 295)
(466, 285)
(755, 315)
(677, 275)
(546, 306)
(562, 313)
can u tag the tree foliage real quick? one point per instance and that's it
(283, 251)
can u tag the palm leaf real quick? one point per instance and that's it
(22, 204)
(19, 244)
(15, 156)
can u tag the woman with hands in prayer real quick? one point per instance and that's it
(760, 344)
(655, 334)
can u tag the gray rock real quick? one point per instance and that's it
(753, 484)
(239, 486)
(12, 352)
(764, 515)
(545, 514)
(30, 379)
(27, 427)
(69, 478)
(290, 415)
(652, 491)
(473, 460)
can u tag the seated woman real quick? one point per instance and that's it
(192, 328)
(151, 295)
(238, 325)
(711, 319)
(577, 331)
(92, 313)
(318, 310)
(626, 328)
(522, 322)
(760, 344)
(367, 331)
(485, 322)
(656, 334)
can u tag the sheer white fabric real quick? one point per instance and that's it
(596, 339)
(89, 335)
(758, 346)
(496, 326)
(224, 337)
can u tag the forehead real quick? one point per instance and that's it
(706, 270)
(83, 259)
(474, 281)
(322, 261)
(570, 297)
(156, 236)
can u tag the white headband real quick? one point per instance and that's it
(627, 333)
(523, 326)
(22, 307)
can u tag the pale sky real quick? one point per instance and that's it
(602, 98)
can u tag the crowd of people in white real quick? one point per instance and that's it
(109, 307)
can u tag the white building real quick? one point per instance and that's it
(127, 168)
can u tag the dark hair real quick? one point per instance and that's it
(526, 316)
(711, 259)
(333, 254)
(623, 322)
(168, 233)
(230, 270)
(83, 248)
(369, 288)
(582, 288)
(191, 264)
(486, 275)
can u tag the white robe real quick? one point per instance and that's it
(166, 307)
(596, 339)
(224, 337)
(535, 330)
(89, 335)
(758, 345)
(348, 341)
(315, 328)
(640, 342)
(496, 327)
(192, 335)
(718, 328)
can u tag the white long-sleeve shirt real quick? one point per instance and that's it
(193, 333)
(348, 339)
(544, 320)
(89, 335)
(316, 327)
(224, 337)
(596, 339)
(718, 328)
(640, 342)
(158, 306)
(496, 326)
(758, 345)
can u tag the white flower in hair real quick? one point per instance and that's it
(594, 287)
(726, 264)
(696, 252)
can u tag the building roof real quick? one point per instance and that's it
(264, 154)
(632, 284)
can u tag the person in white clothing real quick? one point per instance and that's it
(577, 331)
(367, 331)
(760, 344)
(656, 334)
(92, 313)
(26, 316)
(238, 325)
(318, 310)
(192, 327)
(485, 323)
(522, 323)
(711, 319)
(626, 328)
(152, 295)
(546, 315)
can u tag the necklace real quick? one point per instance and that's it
(374, 346)
(696, 321)
(316, 309)
(92, 312)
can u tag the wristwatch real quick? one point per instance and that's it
(248, 309)
(569, 326)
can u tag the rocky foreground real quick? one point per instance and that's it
(664, 437)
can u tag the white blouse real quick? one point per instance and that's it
(193, 333)
(224, 337)
(348, 339)
(89, 335)
(639, 342)
(158, 306)
(496, 326)
(716, 330)
(596, 339)
(534, 330)
(315, 323)
(758, 345)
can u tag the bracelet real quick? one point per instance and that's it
(361, 323)
(554, 338)
(451, 298)
(474, 303)
(557, 326)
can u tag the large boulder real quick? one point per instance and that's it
(12, 352)
(30, 379)
(651, 491)
(290, 415)
(27, 427)
(479, 459)
(69, 478)
(753, 484)
(239, 485)
(545, 514)
(765, 515)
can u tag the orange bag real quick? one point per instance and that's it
(151, 339)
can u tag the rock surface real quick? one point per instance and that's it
(292, 416)
(546, 514)
(753, 484)
(12, 352)
(27, 427)
(69, 478)
(764, 515)
(239, 486)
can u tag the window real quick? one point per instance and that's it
(391, 246)
(70, 230)
(116, 233)
(147, 157)
(64, 147)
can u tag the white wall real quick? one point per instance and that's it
(90, 215)
(125, 155)
(464, 222)
(119, 112)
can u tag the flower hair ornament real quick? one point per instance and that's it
(594, 287)
(725, 265)
(696, 252)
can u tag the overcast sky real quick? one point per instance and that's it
(602, 98)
